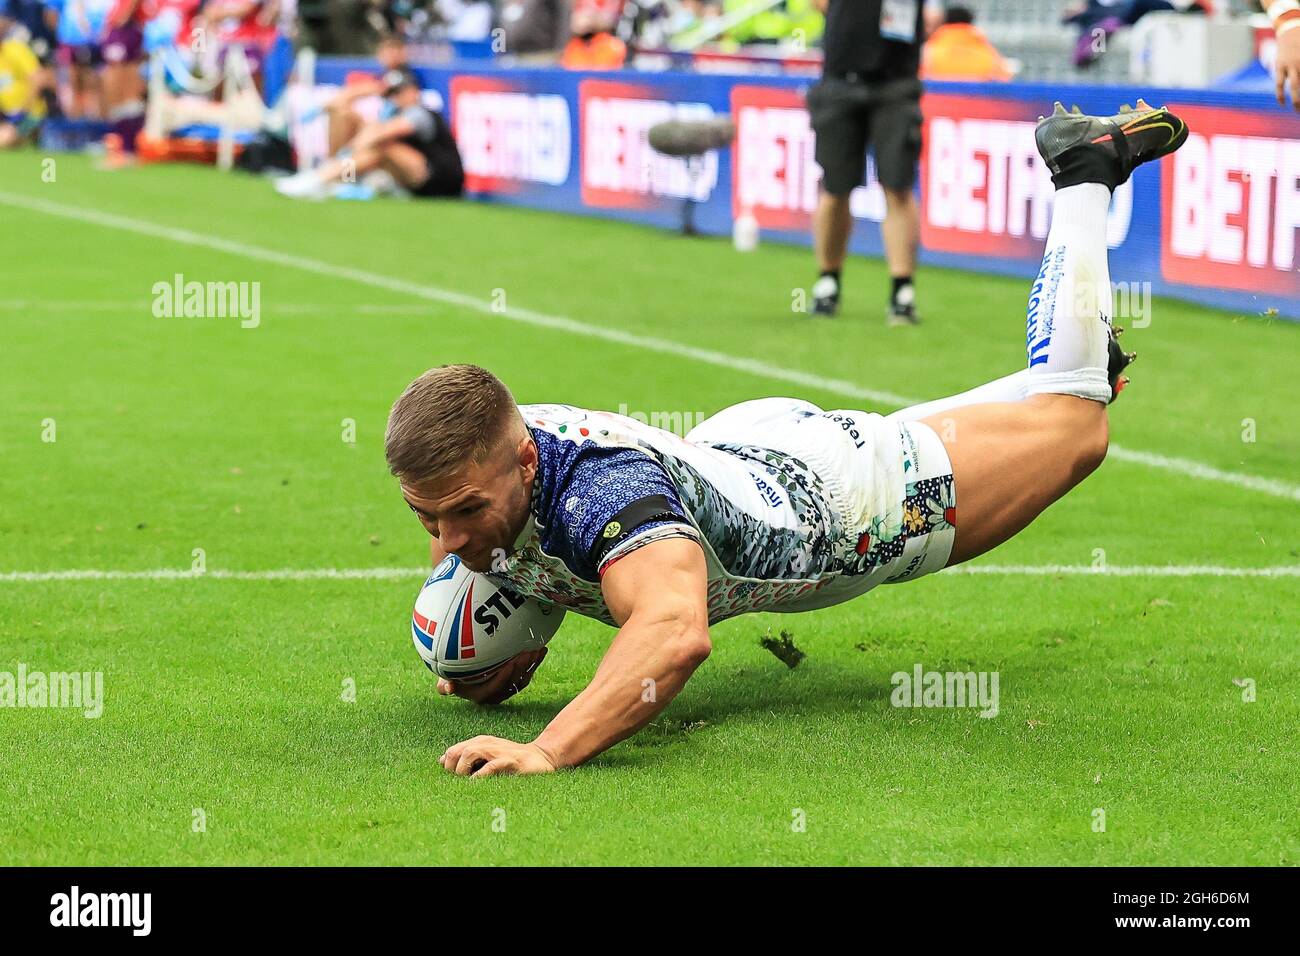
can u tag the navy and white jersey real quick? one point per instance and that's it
(793, 506)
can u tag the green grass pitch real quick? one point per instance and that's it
(1118, 693)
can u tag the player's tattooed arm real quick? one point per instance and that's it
(658, 595)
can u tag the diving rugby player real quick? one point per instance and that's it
(770, 505)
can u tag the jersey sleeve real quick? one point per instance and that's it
(422, 120)
(615, 501)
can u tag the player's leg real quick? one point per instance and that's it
(832, 224)
(896, 146)
(901, 232)
(1009, 388)
(317, 183)
(406, 163)
(124, 87)
(1010, 460)
(344, 124)
(838, 112)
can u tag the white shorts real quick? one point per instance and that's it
(890, 483)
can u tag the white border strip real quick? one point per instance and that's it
(1182, 466)
(1127, 571)
(389, 574)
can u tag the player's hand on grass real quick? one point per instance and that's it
(512, 677)
(1288, 67)
(492, 756)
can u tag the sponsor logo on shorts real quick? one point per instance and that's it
(768, 492)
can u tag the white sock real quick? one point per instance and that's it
(1068, 322)
(1011, 388)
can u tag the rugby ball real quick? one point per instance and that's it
(464, 626)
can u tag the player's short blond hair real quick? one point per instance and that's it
(448, 417)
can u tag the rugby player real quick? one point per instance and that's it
(773, 504)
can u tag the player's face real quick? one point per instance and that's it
(478, 512)
(391, 55)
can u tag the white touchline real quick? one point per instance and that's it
(388, 574)
(1182, 466)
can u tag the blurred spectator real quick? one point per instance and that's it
(124, 86)
(250, 24)
(466, 19)
(797, 22)
(394, 16)
(21, 106)
(1099, 20)
(40, 23)
(172, 25)
(593, 46)
(597, 14)
(959, 50)
(534, 26)
(36, 25)
(391, 53)
(344, 121)
(414, 146)
(692, 18)
(80, 30)
(645, 23)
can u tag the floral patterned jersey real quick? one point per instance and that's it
(801, 509)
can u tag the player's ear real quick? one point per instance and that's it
(526, 453)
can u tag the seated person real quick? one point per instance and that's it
(22, 107)
(535, 29)
(959, 50)
(344, 121)
(414, 146)
(593, 46)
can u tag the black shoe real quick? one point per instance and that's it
(1079, 148)
(902, 315)
(1119, 361)
(826, 296)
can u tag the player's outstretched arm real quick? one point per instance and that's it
(658, 594)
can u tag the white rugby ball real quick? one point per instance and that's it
(464, 626)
